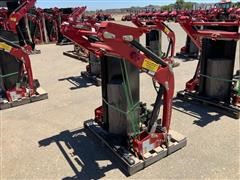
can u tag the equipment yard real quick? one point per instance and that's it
(47, 139)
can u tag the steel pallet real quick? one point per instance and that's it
(128, 162)
(64, 43)
(41, 95)
(186, 56)
(75, 55)
(223, 108)
(96, 80)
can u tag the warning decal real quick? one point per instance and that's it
(5, 46)
(166, 30)
(150, 65)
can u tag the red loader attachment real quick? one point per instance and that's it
(117, 44)
(214, 82)
(17, 24)
(17, 85)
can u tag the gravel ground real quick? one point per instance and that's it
(35, 137)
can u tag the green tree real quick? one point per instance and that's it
(188, 5)
(167, 8)
(179, 4)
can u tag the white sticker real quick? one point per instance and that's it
(147, 146)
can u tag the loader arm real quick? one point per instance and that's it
(18, 52)
(158, 24)
(119, 40)
(76, 14)
(188, 24)
(18, 14)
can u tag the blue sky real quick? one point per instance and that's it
(107, 4)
